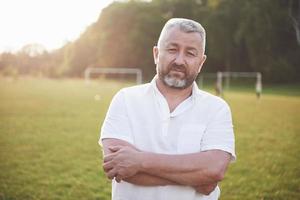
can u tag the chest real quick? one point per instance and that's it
(154, 128)
(171, 135)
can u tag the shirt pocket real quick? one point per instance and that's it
(189, 138)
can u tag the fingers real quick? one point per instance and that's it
(119, 147)
(115, 148)
(206, 189)
(113, 163)
(111, 174)
(108, 158)
(107, 166)
(118, 178)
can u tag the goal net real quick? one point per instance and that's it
(117, 73)
(222, 81)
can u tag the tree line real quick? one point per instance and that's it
(242, 36)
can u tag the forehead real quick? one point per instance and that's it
(174, 36)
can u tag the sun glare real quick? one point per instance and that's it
(50, 23)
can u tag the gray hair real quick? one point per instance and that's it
(185, 25)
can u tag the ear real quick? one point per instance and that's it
(155, 54)
(202, 62)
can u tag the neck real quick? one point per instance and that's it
(173, 96)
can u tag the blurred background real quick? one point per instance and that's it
(247, 36)
(62, 61)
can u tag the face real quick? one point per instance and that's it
(179, 58)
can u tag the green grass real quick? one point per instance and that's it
(49, 131)
(284, 89)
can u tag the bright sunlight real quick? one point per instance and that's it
(50, 23)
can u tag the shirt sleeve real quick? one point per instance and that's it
(219, 133)
(116, 123)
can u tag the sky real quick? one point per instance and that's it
(51, 23)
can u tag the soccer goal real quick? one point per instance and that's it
(222, 80)
(103, 71)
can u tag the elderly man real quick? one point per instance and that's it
(168, 140)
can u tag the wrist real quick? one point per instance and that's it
(144, 162)
(139, 161)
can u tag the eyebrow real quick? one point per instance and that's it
(176, 45)
(172, 44)
(188, 48)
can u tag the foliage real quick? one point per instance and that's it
(256, 35)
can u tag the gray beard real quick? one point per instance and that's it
(174, 82)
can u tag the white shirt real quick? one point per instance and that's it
(140, 115)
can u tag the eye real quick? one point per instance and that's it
(191, 53)
(172, 50)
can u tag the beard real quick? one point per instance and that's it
(176, 76)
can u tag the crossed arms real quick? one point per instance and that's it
(202, 170)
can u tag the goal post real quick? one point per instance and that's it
(97, 70)
(222, 80)
(228, 75)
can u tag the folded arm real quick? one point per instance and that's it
(200, 170)
(140, 178)
(194, 169)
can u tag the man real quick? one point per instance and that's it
(168, 140)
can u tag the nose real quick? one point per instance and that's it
(179, 60)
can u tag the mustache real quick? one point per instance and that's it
(180, 68)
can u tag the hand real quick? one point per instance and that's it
(123, 162)
(206, 189)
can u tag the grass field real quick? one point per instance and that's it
(49, 131)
